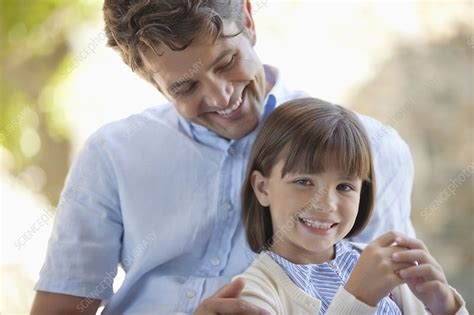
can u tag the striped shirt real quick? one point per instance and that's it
(321, 281)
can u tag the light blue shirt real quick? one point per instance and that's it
(321, 281)
(161, 197)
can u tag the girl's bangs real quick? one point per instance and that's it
(342, 147)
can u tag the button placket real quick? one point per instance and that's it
(229, 206)
(335, 268)
(225, 205)
(215, 261)
(190, 293)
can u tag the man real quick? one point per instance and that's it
(159, 191)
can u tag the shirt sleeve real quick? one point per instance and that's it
(394, 175)
(462, 309)
(84, 248)
(410, 304)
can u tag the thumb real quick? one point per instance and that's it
(231, 290)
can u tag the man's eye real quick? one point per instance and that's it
(303, 182)
(229, 64)
(345, 187)
(186, 89)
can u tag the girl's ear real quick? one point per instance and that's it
(260, 188)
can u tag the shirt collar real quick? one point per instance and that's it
(341, 247)
(277, 95)
(301, 273)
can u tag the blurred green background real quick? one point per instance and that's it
(408, 64)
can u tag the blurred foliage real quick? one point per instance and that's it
(424, 90)
(33, 48)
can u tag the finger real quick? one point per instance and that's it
(233, 306)
(396, 267)
(231, 290)
(392, 264)
(390, 251)
(415, 255)
(426, 271)
(394, 280)
(387, 239)
(393, 249)
(434, 285)
(415, 281)
(411, 243)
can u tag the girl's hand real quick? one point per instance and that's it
(374, 275)
(425, 277)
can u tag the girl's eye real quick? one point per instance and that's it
(345, 187)
(303, 182)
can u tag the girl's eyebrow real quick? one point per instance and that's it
(348, 177)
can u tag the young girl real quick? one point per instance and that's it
(310, 184)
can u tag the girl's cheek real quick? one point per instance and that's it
(296, 203)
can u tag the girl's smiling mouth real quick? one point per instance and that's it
(316, 226)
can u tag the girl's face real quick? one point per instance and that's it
(310, 212)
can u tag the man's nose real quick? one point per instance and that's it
(219, 93)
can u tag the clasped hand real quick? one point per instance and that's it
(394, 259)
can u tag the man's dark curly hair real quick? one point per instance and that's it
(132, 26)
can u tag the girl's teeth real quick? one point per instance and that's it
(318, 225)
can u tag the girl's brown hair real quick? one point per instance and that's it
(307, 134)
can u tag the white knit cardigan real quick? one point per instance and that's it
(268, 286)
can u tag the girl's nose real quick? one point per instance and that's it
(324, 200)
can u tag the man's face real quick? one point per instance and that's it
(220, 85)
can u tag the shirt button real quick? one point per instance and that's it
(229, 207)
(215, 261)
(191, 293)
(231, 151)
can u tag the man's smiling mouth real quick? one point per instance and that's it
(234, 108)
(230, 109)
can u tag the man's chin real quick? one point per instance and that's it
(232, 129)
(236, 132)
(234, 135)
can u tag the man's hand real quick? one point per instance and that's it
(226, 301)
